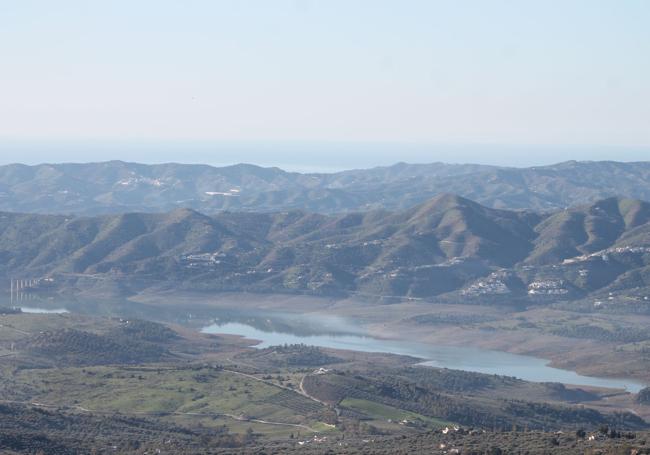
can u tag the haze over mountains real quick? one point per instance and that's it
(448, 246)
(569, 285)
(118, 187)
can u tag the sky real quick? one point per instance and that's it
(324, 84)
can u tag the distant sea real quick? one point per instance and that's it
(302, 156)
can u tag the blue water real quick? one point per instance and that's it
(273, 328)
(26, 309)
(453, 357)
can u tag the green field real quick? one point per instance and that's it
(208, 394)
(385, 412)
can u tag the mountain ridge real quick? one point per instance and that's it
(118, 186)
(448, 246)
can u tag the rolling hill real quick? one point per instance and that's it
(449, 247)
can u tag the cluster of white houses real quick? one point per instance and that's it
(604, 254)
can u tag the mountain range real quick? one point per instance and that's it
(119, 187)
(448, 247)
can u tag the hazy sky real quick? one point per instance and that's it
(557, 76)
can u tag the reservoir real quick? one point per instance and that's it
(275, 328)
(452, 357)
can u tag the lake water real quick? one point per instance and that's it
(26, 309)
(453, 357)
(273, 328)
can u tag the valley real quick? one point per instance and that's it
(543, 333)
(447, 321)
(309, 227)
(143, 380)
